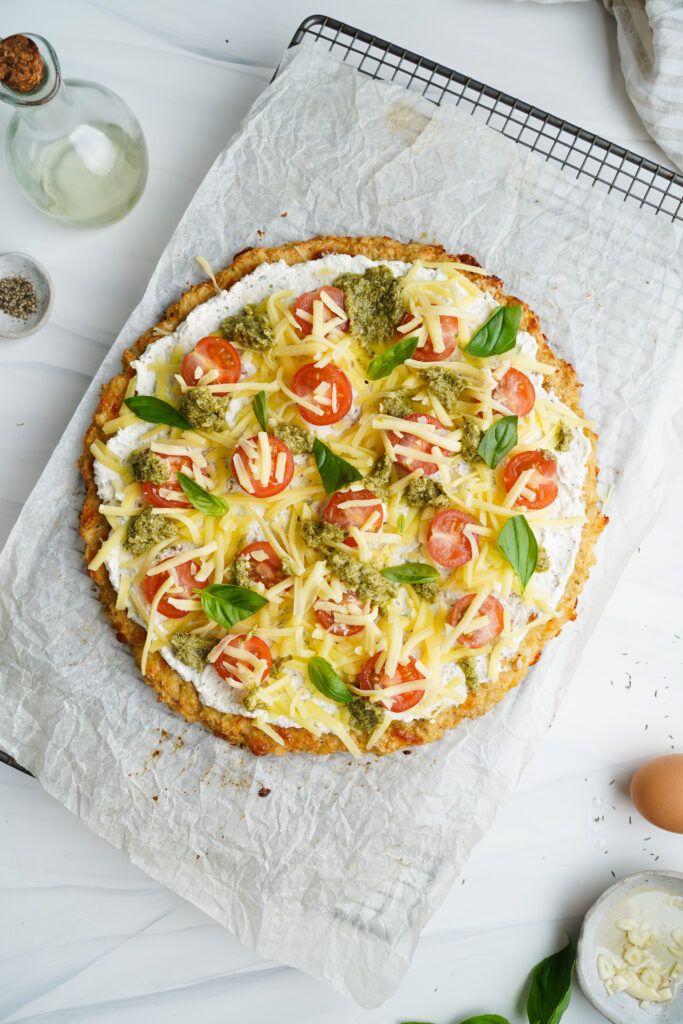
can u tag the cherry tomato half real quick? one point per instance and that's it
(418, 445)
(185, 575)
(446, 539)
(326, 387)
(449, 331)
(211, 353)
(265, 565)
(305, 304)
(372, 679)
(153, 492)
(249, 452)
(346, 517)
(542, 483)
(491, 608)
(227, 664)
(516, 392)
(352, 605)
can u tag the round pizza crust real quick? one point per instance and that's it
(181, 695)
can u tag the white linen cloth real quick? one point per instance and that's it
(650, 41)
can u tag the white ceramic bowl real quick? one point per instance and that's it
(19, 264)
(622, 1008)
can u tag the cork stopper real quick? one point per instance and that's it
(21, 65)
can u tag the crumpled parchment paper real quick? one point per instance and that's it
(338, 870)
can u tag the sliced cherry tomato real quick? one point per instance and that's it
(305, 304)
(227, 664)
(249, 452)
(542, 483)
(446, 539)
(418, 445)
(211, 353)
(265, 566)
(449, 331)
(491, 608)
(185, 575)
(350, 603)
(153, 492)
(516, 392)
(346, 517)
(372, 679)
(328, 388)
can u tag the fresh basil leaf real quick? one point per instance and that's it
(155, 410)
(498, 440)
(225, 604)
(410, 572)
(551, 986)
(383, 364)
(498, 334)
(259, 404)
(209, 504)
(325, 679)
(486, 1018)
(334, 471)
(518, 543)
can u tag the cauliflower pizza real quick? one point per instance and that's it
(340, 497)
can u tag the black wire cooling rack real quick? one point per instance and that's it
(588, 156)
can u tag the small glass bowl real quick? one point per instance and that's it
(19, 264)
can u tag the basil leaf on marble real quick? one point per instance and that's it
(551, 986)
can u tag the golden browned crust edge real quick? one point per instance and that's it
(180, 695)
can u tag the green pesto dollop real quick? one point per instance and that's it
(298, 439)
(249, 329)
(446, 386)
(470, 439)
(363, 716)
(148, 467)
(563, 437)
(399, 403)
(469, 670)
(252, 701)
(378, 478)
(543, 560)
(423, 491)
(146, 530)
(429, 591)
(191, 649)
(364, 578)
(239, 572)
(374, 303)
(205, 410)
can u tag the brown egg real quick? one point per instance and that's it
(657, 792)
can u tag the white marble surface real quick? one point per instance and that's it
(84, 936)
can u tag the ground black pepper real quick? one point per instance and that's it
(17, 297)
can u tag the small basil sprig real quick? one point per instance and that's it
(518, 543)
(486, 1018)
(226, 604)
(551, 986)
(209, 504)
(383, 364)
(334, 471)
(326, 680)
(498, 334)
(155, 410)
(498, 440)
(259, 404)
(410, 572)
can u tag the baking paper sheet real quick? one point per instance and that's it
(339, 868)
